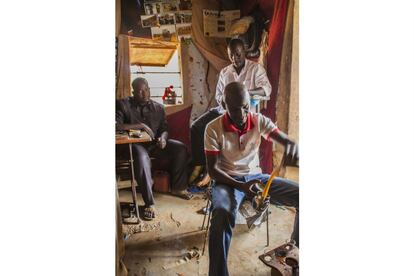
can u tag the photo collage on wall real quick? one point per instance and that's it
(169, 20)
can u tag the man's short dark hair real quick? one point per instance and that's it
(234, 90)
(235, 42)
(138, 80)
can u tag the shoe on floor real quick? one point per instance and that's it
(183, 194)
(149, 213)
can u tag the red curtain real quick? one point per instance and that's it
(276, 12)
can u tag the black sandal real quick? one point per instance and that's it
(149, 213)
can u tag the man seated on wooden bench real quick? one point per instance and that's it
(140, 112)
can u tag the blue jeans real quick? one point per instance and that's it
(226, 201)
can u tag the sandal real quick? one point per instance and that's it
(184, 194)
(204, 181)
(149, 213)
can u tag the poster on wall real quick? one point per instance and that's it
(183, 30)
(166, 6)
(169, 20)
(185, 5)
(183, 17)
(218, 23)
(149, 21)
(164, 33)
(169, 7)
(152, 8)
(160, 7)
(166, 19)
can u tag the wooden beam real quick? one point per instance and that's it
(293, 125)
(284, 89)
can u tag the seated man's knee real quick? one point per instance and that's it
(140, 154)
(178, 148)
(220, 219)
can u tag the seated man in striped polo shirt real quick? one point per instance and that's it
(231, 146)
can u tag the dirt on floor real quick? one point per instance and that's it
(169, 244)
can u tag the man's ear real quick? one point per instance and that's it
(223, 104)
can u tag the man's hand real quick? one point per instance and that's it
(291, 154)
(148, 130)
(161, 142)
(251, 188)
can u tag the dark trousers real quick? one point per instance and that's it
(176, 154)
(226, 201)
(197, 136)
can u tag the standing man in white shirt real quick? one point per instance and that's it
(252, 75)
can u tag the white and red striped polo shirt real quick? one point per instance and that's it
(237, 150)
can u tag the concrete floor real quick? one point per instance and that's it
(176, 230)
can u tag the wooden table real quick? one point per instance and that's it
(126, 139)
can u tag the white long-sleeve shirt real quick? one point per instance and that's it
(253, 75)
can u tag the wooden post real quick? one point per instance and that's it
(283, 101)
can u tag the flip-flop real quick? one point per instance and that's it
(149, 213)
(184, 195)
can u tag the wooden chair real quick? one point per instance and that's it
(160, 175)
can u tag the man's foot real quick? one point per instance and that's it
(204, 181)
(183, 194)
(149, 212)
(196, 172)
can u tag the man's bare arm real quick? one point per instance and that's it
(291, 148)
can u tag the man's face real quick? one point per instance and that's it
(237, 55)
(238, 109)
(141, 92)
